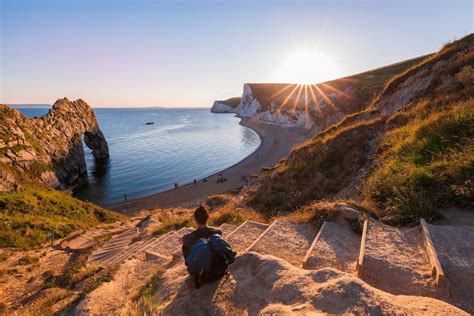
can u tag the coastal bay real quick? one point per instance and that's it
(276, 143)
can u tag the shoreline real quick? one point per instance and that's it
(275, 144)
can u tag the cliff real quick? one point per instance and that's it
(409, 152)
(311, 106)
(48, 149)
(225, 106)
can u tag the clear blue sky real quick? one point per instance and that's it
(189, 53)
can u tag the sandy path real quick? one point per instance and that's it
(245, 235)
(286, 240)
(396, 260)
(262, 284)
(338, 247)
(455, 247)
(276, 144)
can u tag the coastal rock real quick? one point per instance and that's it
(317, 106)
(226, 106)
(49, 149)
(219, 107)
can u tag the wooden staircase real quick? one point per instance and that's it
(399, 261)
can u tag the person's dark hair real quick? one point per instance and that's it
(201, 215)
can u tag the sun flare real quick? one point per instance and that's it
(307, 67)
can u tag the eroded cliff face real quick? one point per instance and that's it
(313, 106)
(48, 149)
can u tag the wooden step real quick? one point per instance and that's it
(171, 244)
(285, 240)
(336, 246)
(454, 247)
(137, 248)
(227, 229)
(396, 261)
(244, 235)
(113, 247)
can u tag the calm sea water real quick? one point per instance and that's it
(181, 145)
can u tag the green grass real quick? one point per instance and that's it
(28, 216)
(428, 164)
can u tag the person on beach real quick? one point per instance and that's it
(125, 197)
(205, 246)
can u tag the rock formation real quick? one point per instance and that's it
(48, 149)
(314, 106)
(225, 106)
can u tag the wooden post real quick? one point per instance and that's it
(260, 237)
(436, 268)
(310, 250)
(360, 261)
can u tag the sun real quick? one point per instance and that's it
(307, 67)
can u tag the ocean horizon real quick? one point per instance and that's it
(181, 145)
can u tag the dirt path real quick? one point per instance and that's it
(455, 247)
(396, 261)
(245, 235)
(261, 284)
(276, 144)
(338, 247)
(286, 240)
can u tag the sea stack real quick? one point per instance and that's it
(48, 149)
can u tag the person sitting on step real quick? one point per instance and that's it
(206, 253)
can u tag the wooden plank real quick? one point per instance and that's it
(436, 268)
(260, 237)
(310, 250)
(237, 228)
(360, 261)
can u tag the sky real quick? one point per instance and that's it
(138, 53)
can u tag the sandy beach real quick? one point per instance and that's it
(276, 143)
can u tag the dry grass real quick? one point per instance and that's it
(231, 214)
(344, 155)
(313, 213)
(217, 200)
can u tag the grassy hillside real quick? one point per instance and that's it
(408, 153)
(347, 95)
(28, 216)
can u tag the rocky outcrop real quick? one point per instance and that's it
(226, 106)
(219, 107)
(314, 106)
(48, 149)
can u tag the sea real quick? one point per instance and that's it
(181, 145)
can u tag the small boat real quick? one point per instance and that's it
(150, 123)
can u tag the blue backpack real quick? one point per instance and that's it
(222, 248)
(200, 255)
(199, 258)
